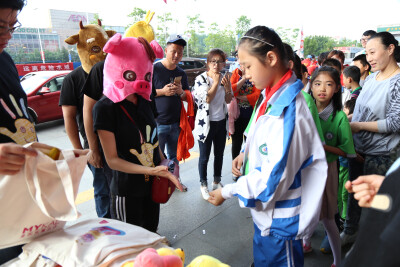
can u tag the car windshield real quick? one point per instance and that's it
(33, 82)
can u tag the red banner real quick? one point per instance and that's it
(26, 68)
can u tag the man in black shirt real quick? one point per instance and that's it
(169, 83)
(15, 127)
(71, 100)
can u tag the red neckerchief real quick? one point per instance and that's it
(271, 91)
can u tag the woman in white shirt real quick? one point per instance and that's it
(212, 91)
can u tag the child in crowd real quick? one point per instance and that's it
(304, 76)
(348, 107)
(325, 88)
(361, 62)
(283, 157)
(321, 58)
(336, 64)
(351, 80)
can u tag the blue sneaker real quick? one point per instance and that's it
(325, 246)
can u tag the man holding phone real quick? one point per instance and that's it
(169, 83)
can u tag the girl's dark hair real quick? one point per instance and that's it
(337, 97)
(291, 56)
(259, 48)
(333, 62)
(303, 68)
(338, 53)
(213, 52)
(14, 4)
(387, 39)
(322, 57)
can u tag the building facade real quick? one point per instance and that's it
(393, 29)
(62, 24)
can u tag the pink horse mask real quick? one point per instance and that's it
(128, 67)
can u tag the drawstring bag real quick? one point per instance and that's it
(41, 197)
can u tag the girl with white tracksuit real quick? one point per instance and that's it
(284, 165)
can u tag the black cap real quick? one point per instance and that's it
(177, 39)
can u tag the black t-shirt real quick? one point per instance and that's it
(14, 118)
(93, 86)
(71, 95)
(378, 239)
(168, 107)
(110, 116)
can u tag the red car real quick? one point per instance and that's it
(43, 91)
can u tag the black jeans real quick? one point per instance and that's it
(216, 137)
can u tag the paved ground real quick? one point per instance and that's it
(187, 220)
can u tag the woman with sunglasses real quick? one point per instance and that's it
(212, 92)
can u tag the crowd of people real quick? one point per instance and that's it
(312, 140)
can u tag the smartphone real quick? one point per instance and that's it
(177, 80)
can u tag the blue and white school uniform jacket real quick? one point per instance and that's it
(286, 167)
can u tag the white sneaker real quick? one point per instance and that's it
(217, 186)
(204, 192)
(347, 239)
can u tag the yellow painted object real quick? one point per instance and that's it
(162, 252)
(206, 261)
(142, 28)
(169, 251)
(54, 153)
(128, 264)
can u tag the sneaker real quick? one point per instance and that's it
(325, 246)
(217, 186)
(307, 248)
(184, 186)
(347, 239)
(204, 192)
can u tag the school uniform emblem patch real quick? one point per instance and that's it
(329, 136)
(263, 149)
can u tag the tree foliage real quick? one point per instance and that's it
(195, 28)
(317, 44)
(60, 55)
(223, 39)
(95, 18)
(242, 26)
(137, 14)
(347, 42)
(163, 28)
(288, 35)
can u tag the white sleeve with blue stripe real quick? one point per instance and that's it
(287, 166)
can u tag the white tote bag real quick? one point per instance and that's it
(41, 197)
(93, 242)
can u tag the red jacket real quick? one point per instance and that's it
(185, 140)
